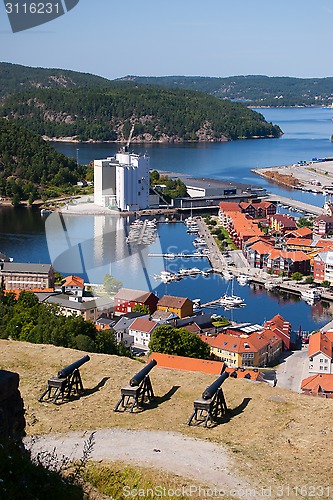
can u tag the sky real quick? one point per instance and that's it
(180, 37)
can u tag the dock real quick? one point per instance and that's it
(178, 255)
(300, 205)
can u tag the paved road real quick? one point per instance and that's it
(293, 370)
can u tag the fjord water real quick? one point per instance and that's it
(307, 134)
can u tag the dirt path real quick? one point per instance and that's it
(202, 461)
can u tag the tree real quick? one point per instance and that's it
(309, 280)
(27, 299)
(297, 276)
(325, 284)
(178, 341)
(141, 308)
(304, 222)
(111, 284)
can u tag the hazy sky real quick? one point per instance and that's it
(180, 37)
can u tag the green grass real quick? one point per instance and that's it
(119, 481)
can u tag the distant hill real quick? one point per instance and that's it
(158, 114)
(15, 78)
(254, 90)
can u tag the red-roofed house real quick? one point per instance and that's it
(318, 385)
(289, 262)
(126, 299)
(300, 232)
(258, 209)
(73, 285)
(141, 330)
(282, 223)
(281, 328)
(320, 353)
(258, 349)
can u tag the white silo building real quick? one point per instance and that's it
(122, 181)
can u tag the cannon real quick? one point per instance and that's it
(210, 391)
(212, 405)
(67, 382)
(68, 370)
(139, 391)
(137, 379)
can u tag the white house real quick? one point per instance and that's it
(320, 353)
(141, 330)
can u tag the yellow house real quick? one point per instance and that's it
(256, 349)
(181, 306)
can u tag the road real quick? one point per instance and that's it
(293, 370)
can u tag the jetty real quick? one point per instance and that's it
(299, 205)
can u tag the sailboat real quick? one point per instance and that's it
(231, 300)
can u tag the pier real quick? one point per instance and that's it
(300, 205)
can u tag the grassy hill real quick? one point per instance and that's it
(280, 437)
(254, 90)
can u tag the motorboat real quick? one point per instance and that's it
(196, 305)
(310, 294)
(45, 211)
(243, 279)
(269, 285)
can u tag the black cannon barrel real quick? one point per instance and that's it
(137, 379)
(210, 391)
(68, 370)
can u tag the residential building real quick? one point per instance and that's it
(282, 328)
(126, 299)
(318, 385)
(257, 349)
(199, 324)
(22, 276)
(320, 353)
(323, 266)
(73, 285)
(281, 223)
(323, 225)
(89, 310)
(123, 325)
(181, 306)
(141, 330)
(258, 209)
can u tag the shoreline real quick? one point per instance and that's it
(313, 176)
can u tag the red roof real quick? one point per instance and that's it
(143, 325)
(318, 342)
(73, 281)
(318, 383)
(200, 365)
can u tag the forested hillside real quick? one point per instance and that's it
(158, 115)
(15, 78)
(255, 90)
(29, 165)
